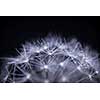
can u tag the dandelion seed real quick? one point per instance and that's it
(51, 58)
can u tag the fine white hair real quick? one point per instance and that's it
(52, 59)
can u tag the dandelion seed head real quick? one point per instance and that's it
(58, 56)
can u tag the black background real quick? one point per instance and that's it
(17, 30)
